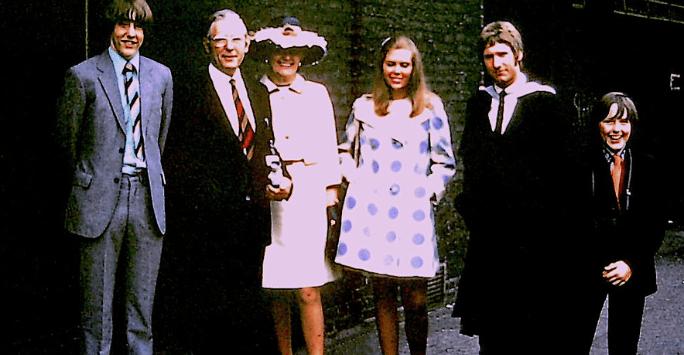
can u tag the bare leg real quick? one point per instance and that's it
(385, 295)
(414, 299)
(280, 305)
(311, 311)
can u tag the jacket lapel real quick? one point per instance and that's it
(107, 79)
(145, 78)
(218, 114)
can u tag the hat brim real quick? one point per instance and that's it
(268, 41)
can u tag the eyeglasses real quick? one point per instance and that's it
(223, 42)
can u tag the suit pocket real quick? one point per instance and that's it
(82, 179)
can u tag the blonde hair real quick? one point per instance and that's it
(417, 88)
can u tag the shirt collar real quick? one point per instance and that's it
(297, 85)
(120, 62)
(223, 78)
(521, 87)
(609, 153)
(515, 87)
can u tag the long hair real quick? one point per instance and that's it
(137, 11)
(418, 91)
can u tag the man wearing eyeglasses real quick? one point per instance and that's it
(220, 196)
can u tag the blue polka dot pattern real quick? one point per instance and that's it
(342, 249)
(372, 209)
(423, 147)
(437, 123)
(346, 226)
(391, 229)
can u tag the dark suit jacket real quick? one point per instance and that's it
(91, 130)
(510, 200)
(632, 233)
(219, 221)
(218, 192)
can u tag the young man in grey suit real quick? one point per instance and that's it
(113, 119)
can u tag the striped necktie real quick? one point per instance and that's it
(245, 133)
(131, 86)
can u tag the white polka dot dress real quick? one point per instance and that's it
(387, 219)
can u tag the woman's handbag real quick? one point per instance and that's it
(333, 232)
(335, 211)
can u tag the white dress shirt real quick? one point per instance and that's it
(223, 88)
(519, 88)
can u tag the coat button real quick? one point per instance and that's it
(116, 180)
(121, 150)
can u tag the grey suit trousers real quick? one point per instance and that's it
(129, 250)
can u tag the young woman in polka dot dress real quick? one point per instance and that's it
(397, 157)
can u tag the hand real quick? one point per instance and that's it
(331, 196)
(282, 192)
(617, 273)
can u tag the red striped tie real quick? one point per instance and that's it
(245, 133)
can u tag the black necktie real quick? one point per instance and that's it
(499, 115)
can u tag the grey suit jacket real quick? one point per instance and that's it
(91, 130)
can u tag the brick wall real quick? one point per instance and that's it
(446, 33)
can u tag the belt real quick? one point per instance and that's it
(138, 176)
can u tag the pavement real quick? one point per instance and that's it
(662, 330)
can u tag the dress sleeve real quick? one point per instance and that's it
(348, 148)
(442, 162)
(328, 140)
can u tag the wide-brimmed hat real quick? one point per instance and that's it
(290, 35)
